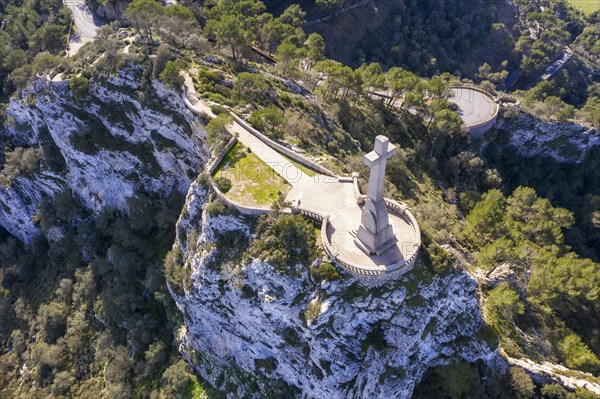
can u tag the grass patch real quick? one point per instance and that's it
(253, 182)
(587, 6)
(307, 171)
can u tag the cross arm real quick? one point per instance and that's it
(371, 158)
(392, 149)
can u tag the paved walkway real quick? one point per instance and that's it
(268, 155)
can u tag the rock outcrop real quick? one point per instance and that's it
(111, 10)
(105, 148)
(563, 141)
(249, 329)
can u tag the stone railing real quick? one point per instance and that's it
(244, 210)
(360, 198)
(354, 269)
(271, 143)
(331, 252)
(396, 206)
(311, 214)
(281, 148)
(373, 276)
(212, 166)
(210, 169)
(189, 105)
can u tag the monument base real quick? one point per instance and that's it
(375, 243)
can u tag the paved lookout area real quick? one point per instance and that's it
(475, 106)
(367, 235)
(329, 197)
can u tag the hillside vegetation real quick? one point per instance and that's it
(103, 322)
(32, 37)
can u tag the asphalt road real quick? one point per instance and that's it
(84, 23)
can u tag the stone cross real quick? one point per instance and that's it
(375, 233)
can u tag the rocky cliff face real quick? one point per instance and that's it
(565, 142)
(111, 10)
(246, 328)
(105, 148)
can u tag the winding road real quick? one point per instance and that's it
(85, 26)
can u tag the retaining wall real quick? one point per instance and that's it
(244, 210)
(281, 148)
(210, 169)
(212, 166)
(480, 128)
(271, 143)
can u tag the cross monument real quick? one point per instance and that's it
(375, 235)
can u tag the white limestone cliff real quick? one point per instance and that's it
(110, 146)
(245, 330)
(565, 142)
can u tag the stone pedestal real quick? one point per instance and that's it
(375, 233)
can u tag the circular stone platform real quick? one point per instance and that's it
(475, 107)
(341, 238)
(336, 199)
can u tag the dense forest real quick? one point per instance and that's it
(428, 36)
(90, 311)
(32, 37)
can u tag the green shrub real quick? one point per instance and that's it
(577, 354)
(217, 98)
(285, 241)
(521, 383)
(217, 133)
(223, 184)
(209, 77)
(218, 207)
(441, 260)
(313, 310)
(20, 162)
(554, 391)
(79, 87)
(176, 272)
(253, 87)
(502, 305)
(375, 338)
(219, 110)
(324, 272)
(285, 98)
(171, 75)
(268, 120)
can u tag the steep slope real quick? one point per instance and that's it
(105, 148)
(253, 329)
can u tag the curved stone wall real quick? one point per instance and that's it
(478, 129)
(376, 277)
